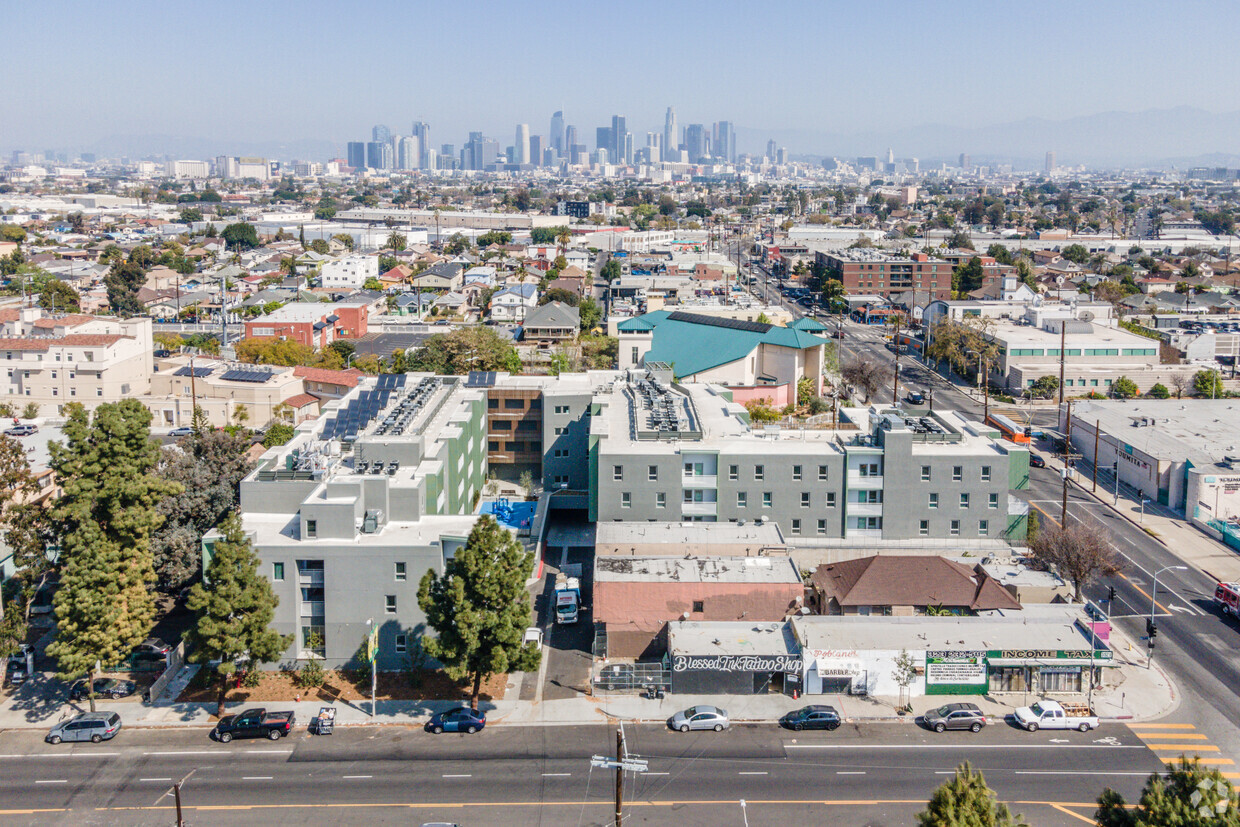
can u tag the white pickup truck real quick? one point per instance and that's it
(1054, 715)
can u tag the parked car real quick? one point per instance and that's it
(457, 719)
(89, 726)
(1036, 461)
(700, 717)
(814, 716)
(22, 430)
(104, 688)
(179, 432)
(15, 671)
(254, 723)
(955, 716)
(152, 645)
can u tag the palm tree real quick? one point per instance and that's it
(562, 238)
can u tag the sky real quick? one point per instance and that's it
(236, 73)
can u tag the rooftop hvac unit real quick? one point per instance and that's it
(372, 521)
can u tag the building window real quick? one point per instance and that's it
(796, 472)
(312, 528)
(741, 499)
(830, 499)
(985, 473)
(983, 528)
(492, 404)
(955, 530)
(652, 473)
(402, 573)
(660, 500)
(277, 572)
(502, 425)
(699, 605)
(390, 604)
(957, 473)
(766, 499)
(923, 528)
(822, 473)
(492, 446)
(994, 501)
(559, 431)
(617, 472)
(514, 404)
(934, 501)
(796, 526)
(402, 644)
(635, 356)
(626, 500)
(925, 473)
(964, 500)
(561, 409)
(759, 472)
(732, 471)
(822, 526)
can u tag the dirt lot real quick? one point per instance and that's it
(348, 686)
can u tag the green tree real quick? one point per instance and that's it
(319, 246)
(1044, 386)
(969, 276)
(559, 294)
(546, 235)
(14, 233)
(1158, 391)
(1075, 253)
(611, 270)
(190, 215)
(456, 245)
(591, 314)
(345, 239)
(479, 607)
(58, 296)
(477, 347)
(959, 240)
(106, 512)
(965, 800)
(763, 318)
(1189, 796)
(1124, 388)
(240, 236)
(1031, 530)
(278, 433)
(494, 237)
(123, 282)
(1208, 383)
(234, 607)
(805, 390)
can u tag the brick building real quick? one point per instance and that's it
(316, 324)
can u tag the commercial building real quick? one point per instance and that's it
(872, 271)
(53, 360)
(349, 271)
(315, 324)
(348, 516)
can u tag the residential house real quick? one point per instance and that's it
(511, 304)
(551, 322)
(898, 584)
(442, 276)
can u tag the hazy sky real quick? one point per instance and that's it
(82, 70)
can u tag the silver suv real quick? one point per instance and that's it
(89, 726)
(955, 716)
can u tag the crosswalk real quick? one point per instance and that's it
(1169, 741)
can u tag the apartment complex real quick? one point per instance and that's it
(349, 271)
(53, 360)
(227, 392)
(865, 270)
(315, 324)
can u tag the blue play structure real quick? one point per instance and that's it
(508, 513)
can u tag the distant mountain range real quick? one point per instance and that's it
(1159, 138)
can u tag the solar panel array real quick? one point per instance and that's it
(354, 417)
(397, 421)
(712, 321)
(197, 373)
(480, 379)
(247, 375)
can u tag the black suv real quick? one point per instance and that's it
(955, 716)
(814, 716)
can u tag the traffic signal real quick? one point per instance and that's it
(1028, 432)
(1151, 630)
(1110, 594)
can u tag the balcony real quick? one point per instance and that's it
(312, 609)
(699, 509)
(865, 509)
(310, 577)
(700, 481)
(868, 483)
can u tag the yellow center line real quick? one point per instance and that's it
(1068, 812)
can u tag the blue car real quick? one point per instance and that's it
(460, 719)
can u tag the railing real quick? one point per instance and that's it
(176, 659)
(631, 677)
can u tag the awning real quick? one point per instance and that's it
(1051, 662)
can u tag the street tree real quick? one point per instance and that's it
(1079, 553)
(240, 236)
(106, 514)
(464, 349)
(866, 375)
(209, 465)
(234, 607)
(611, 270)
(965, 800)
(22, 525)
(1208, 383)
(1124, 388)
(1189, 796)
(479, 607)
(1045, 386)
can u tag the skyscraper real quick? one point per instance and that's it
(408, 152)
(1050, 162)
(536, 150)
(522, 144)
(696, 142)
(570, 140)
(380, 133)
(557, 132)
(771, 148)
(356, 154)
(602, 138)
(724, 145)
(964, 161)
(621, 141)
(422, 131)
(379, 155)
(671, 132)
(891, 156)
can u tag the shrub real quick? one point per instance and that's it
(252, 678)
(311, 675)
(1159, 391)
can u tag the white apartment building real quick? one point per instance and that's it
(189, 169)
(75, 358)
(349, 271)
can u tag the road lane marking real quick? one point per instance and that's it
(654, 773)
(850, 772)
(256, 778)
(63, 755)
(458, 776)
(269, 751)
(1194, 747)
(556, 774)
(963, 746)
(1183, 736)
(52, 781)
(753, 773)
(154, 779)
(1205, 759)
(1078, 772)
(357, 776)
(1161, 726)
(190, 752)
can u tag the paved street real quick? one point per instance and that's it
(864, 774)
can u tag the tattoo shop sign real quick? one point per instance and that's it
(736, 663)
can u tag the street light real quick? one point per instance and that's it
(374, 657)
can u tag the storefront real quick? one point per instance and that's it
(835, 672)
(733, 658)
(955, 672)
(1047, 671)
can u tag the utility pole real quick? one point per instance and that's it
(1063, 336)
(619, 777)
(895, 383)
(1067, 452)
(1097, 427)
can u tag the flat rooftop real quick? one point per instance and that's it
(1015, 630)
(1099, 336)
(764, 534)
(695, 570)
(691, 637)
(1202, 430)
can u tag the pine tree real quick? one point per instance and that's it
(1190, 795)
(965, 801)
(479, 607)
(106, 513)
(235, 606)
